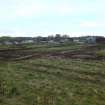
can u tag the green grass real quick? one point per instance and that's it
(101, 53)
(52, 81)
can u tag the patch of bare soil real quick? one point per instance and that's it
(72, 55)
(21, 54)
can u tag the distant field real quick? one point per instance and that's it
(52, 80)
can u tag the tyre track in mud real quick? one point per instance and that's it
(29, 53)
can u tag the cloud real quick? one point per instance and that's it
(13, 33)
(89, 24)
(62, 9)
(30, 9)
(12, 9)
(17, 8)
(46, 16)
(92, 24)
(38, 8)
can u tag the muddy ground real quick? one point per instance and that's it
(89, 52)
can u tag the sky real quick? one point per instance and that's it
(49, 17)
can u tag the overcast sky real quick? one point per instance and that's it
(47, 17)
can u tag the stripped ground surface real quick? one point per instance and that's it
(52, 82)
(76, 52)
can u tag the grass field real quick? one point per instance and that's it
(52, 81)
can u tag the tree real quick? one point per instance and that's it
(57, 37)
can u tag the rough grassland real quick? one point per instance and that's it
(52, 81)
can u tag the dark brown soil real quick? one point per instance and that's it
(21, 54)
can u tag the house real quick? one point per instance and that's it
(7, 43)
(77, 40)
(16, 40)
(64, 40)
(90, 40)
(22, 40)
(100, 40)
(95, 39)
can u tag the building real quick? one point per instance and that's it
(95, 39)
